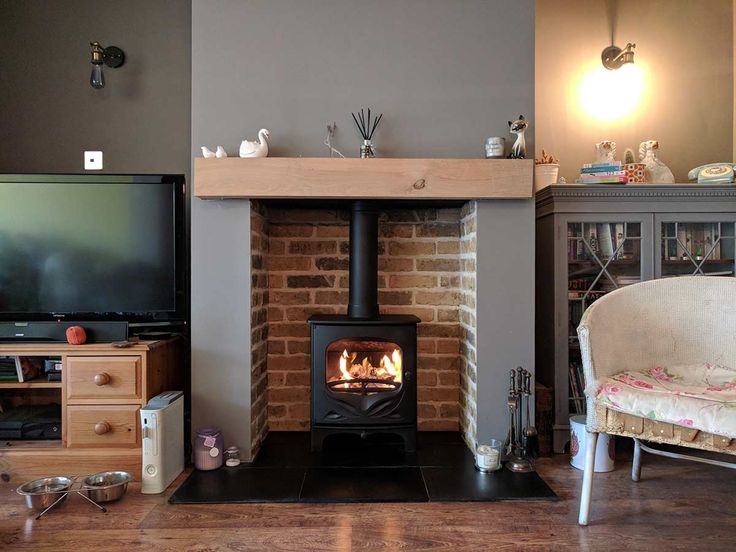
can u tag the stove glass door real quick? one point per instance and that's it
(363, 366)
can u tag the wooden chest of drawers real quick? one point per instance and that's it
(101, 393)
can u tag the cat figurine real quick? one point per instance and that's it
(518, 127)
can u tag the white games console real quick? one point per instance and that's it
(162, 429)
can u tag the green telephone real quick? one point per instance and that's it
(713, 173)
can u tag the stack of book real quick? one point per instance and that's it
(20, 368)
(602, 240)
(602, 173)
(577, 388)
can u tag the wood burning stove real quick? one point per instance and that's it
(364, 363)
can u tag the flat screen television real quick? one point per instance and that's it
(93, 247)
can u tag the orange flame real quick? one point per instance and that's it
(389, 369)
(344, 365)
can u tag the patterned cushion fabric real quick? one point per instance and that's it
(700, 396)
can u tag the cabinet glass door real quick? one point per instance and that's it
(697, 248)
(601, 257)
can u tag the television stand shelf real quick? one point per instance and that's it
(102, 389)
(34, 384)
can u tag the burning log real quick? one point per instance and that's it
(355, 374)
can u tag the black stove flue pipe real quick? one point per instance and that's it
(363, 301)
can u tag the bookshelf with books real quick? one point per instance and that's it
(32, 371)
(595, 238)
(602, 256)
(695, 248)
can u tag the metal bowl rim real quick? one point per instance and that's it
(126, 478)
(68, 481)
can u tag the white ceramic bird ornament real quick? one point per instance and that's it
(256, 149)
(209, 154)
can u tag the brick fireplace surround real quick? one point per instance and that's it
(300, 267)
(260, 268)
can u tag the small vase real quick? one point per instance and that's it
(366, 150)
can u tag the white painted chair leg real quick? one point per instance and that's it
(636, 465)
(585, 494)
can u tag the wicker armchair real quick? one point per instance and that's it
(659, 359)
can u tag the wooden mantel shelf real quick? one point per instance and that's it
(325, 178)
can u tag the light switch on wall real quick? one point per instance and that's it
(92, 160)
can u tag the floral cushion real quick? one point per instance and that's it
(699, 396)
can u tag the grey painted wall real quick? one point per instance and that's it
(446, 75)
(221, 319)
(49, 114)
(505, 306)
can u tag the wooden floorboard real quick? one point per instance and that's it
(676, 506)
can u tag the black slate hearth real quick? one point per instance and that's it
(353, 470)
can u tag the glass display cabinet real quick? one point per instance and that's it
(601, 257)
(593, 239)
(693, 246)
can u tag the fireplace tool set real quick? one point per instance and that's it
(522, 440)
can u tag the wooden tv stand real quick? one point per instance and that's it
(101, 392)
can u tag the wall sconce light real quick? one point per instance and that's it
(112, 56)
(614, 57)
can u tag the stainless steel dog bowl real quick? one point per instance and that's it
(106, 486)
(42, 493)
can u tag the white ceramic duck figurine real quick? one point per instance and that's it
(256, 149)
(655, 171)
(209, 154)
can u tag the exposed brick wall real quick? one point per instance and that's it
(259, 325)
(468, 324)
(421, 272)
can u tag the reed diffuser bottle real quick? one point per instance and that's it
(366, 129)
(366, 150)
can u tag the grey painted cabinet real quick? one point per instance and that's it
(593, 239)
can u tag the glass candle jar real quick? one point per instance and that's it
(232, 457)
(495, 147)
(488, 455)
(208, 449)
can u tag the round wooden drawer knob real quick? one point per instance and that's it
(102, 379)
(102, 427)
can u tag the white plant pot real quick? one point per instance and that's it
(545, 175)
(604, 451)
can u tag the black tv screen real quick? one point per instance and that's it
(104, 246)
